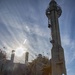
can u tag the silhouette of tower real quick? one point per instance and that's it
(12, 56)
(53, 12)
(26, 57)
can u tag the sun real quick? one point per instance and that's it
(20, 51)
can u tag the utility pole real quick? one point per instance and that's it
(53, 12)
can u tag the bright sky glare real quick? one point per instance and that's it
(20, 51)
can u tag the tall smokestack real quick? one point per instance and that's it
(12, 56)
(26, 57)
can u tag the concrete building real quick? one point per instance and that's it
(53, 12)
(29, 68)
(10, 68)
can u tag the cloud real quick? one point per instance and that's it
(69, 48)
(20, 30)
(28, 21)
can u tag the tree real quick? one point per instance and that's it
(2, 55)
(37, 64)
(2, 60)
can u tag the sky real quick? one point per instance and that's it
(23, 23)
